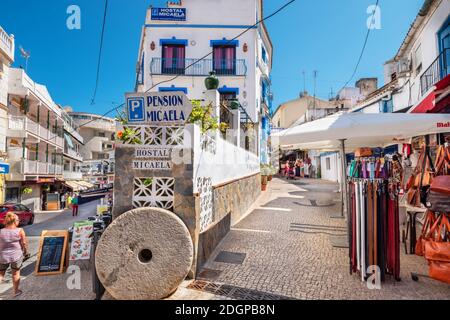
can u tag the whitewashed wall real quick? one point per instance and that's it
(334, 173)
(227, 163)
(204, 19)
(427, 40)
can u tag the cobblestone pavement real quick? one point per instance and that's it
(283, 259)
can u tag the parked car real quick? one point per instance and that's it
(25, 214)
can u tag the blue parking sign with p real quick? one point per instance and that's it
(136, 110)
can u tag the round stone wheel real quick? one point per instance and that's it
(144, 254)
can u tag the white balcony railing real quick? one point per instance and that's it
(31, 126)
(43, 133)
(7, 44)
(40, 168)
(18, 125)
(59, 141)
(73, 154)
(29, 167)
(72, 175)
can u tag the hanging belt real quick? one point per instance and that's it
(375, 223)
(370, 222)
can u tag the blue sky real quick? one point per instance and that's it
(322, 35)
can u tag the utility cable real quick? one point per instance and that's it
(100, 53)
(223, 45)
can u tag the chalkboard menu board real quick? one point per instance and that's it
(52, 253)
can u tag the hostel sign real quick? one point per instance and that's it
(148, 158)
(169, 14)
(158, 108)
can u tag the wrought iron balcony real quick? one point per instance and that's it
(437, 71)
(196, 67)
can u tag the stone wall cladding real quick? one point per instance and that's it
(184, 204)
(236, 198)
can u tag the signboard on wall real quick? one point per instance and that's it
(4, 168)
(158, 108)
(169, 14)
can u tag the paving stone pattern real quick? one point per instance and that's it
(285, 263)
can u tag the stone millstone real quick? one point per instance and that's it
(145, 254)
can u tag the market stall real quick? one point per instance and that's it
(375, 182)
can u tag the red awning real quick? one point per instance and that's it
(426, 105)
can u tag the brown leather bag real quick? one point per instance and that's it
(363, 152)
(410, 182)
(437, 251)
(413, 197)
(442, 161)
(428, 223)
(438, 197)
(441, 184)
(423, 177)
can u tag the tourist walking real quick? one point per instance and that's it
(13, 248)
(69, 201)
(63, 201)
(75, 205)
(307, 169)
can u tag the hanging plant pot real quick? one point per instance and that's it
(234, 104)
(212, 82)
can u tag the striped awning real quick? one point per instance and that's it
(79, 185)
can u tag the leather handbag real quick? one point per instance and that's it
(423, 177)
(437, 251)
(363, 152)
(441, 184)
(438, 198)
(430, 219)
(413, 197)
(443, 161)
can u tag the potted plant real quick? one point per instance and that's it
(27, 190)
(128, 136)
(264, 177)
(234, 104)
(212, 82)
(272, 172)
(203, 117)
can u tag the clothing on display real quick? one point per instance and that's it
(374, 217)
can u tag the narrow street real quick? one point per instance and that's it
(32, 285)
(282, 250)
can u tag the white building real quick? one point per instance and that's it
(417, 78)
(6, 59)
(97, 152)
(73, 159)
(35, 141)
(170, 44)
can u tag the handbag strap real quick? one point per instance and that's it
(429, 220)
(435, 226)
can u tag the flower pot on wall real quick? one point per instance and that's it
(263, 183)
(212, 82)
(234, 104)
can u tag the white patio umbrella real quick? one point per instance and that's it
(360, 130)
(354, 130)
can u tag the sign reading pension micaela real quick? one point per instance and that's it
(158, 108)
